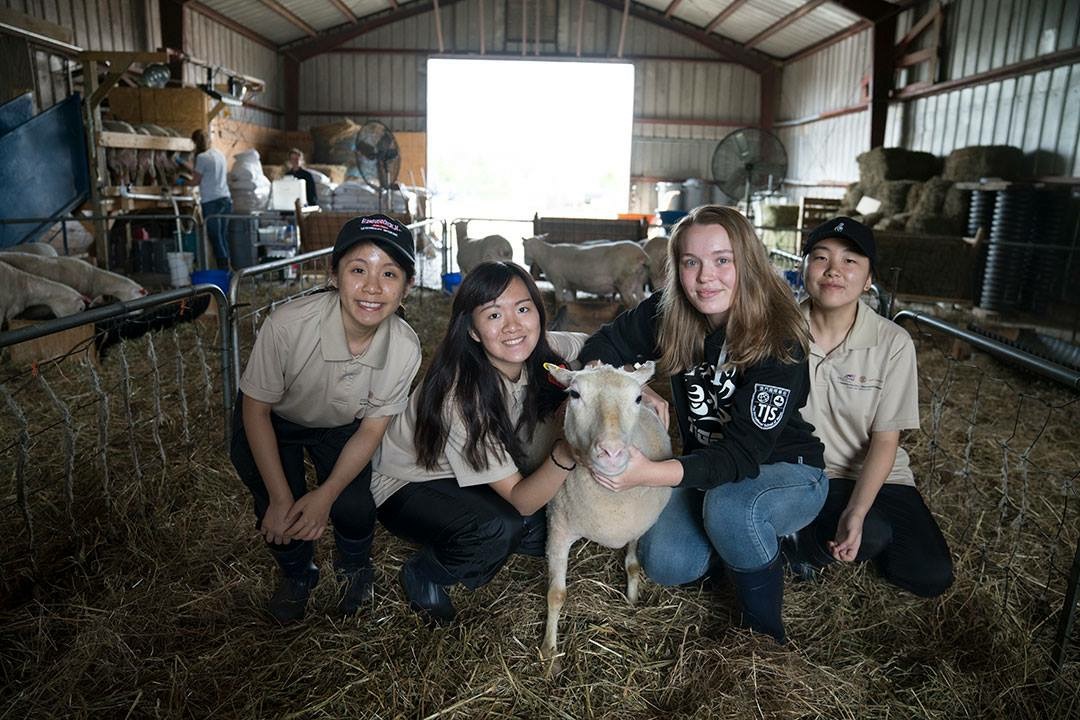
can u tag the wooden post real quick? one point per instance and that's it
(882, 78)
(292, 93)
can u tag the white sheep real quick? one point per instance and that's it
(656, 248)
(473, 251)
(20, 290)
(32, 248)
(78, 274)
(603, 268)
(605, 416)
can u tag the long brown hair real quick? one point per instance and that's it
(763, 321)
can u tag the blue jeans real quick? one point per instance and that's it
(739, 522)
(217, 227)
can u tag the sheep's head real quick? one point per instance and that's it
(602, 413)
(530, 244)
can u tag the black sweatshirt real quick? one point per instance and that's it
(731, 422)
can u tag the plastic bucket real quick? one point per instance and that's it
(450, 282)
(180, 268)
(212, 277)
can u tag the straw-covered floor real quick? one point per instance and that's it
(150, 603)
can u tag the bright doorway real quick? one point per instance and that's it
(511, 138)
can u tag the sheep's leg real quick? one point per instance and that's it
(558, 552)
(633, 572)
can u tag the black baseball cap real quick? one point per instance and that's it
(386, 232)
(853, 231)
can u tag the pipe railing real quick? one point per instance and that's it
(130, 307)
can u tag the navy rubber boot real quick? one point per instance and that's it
(425, 582)
(299, 576)
(761, 598)
(353, 565)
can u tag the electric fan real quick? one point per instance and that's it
(378, 159)
(748, 161)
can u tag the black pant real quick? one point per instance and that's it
(471, 531)
(353, 512)
(899, 535)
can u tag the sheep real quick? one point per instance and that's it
(604, 417)
(472, 252)
(604, 268)
(32, 248)
(20, 290)
(657, 249)
(78, 274)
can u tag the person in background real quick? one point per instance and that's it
(297, 170)
(728, 332)
(209, 172)
(864, 391)
(466, 470)
(327, 373)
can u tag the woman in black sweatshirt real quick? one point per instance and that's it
(728, 332)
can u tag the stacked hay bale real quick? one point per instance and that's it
(780, 216)
(917, 195)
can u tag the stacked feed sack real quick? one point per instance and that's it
(249, 187)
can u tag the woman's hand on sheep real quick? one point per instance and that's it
(309, 515)
(275, 523)
(657, 404)
(638, 472)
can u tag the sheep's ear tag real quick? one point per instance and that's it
(550, 367)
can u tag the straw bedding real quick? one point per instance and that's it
(153, 605)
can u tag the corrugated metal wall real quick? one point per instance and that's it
(134, 25)
(1036, 112)
(207, 40)
(687, 84)
(828, 80)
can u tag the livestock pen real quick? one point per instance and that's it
(134, 581)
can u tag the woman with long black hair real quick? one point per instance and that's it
(466, 470)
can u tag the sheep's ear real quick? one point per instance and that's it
(644, 371)
(561, 375)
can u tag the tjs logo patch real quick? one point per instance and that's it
(767, 406)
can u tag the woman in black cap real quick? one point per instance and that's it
(863, 393)
(326, 374)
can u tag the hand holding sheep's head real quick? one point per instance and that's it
(603, 412)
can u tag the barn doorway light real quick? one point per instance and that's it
(510, 138)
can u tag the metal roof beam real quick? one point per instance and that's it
(344, 10)
(231, 24)
(671, 7)
(724, 15)
(330, 39)
(872, 10)
(291, 17)
(726, 49)
(784, 22)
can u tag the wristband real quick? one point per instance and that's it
(557, 463)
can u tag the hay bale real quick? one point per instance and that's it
(955, 206)
(969, 164)
(870, 219)
(933, 225)
(853, 195)
(932, 197)
(780, 216)
(914, 196)
(893, 195)
(273, 171)
(896, 222)
(881, 164)
(335, 143)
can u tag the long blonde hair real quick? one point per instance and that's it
(763, 320)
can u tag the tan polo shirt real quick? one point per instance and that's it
(869, 383)
(395, 465)
(301, 365)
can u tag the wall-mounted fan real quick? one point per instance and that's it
(378, 159)
(747, 161)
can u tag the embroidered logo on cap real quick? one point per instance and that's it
(839, 228)
(767, 406)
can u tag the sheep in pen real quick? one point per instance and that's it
(133, 585)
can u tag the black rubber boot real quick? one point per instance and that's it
(795, 549)
(299, 576)
(761, 597)
(353, 565)
(425, 582)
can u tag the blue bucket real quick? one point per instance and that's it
(212, 277)
(670, 217)
(450, 282)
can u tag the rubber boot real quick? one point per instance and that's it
(299, 576)
(797, 550)
(353, 565)
(761, 597)
(425, 582)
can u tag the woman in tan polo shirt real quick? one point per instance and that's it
(466, 470)
(326, 375)
(863, 392)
